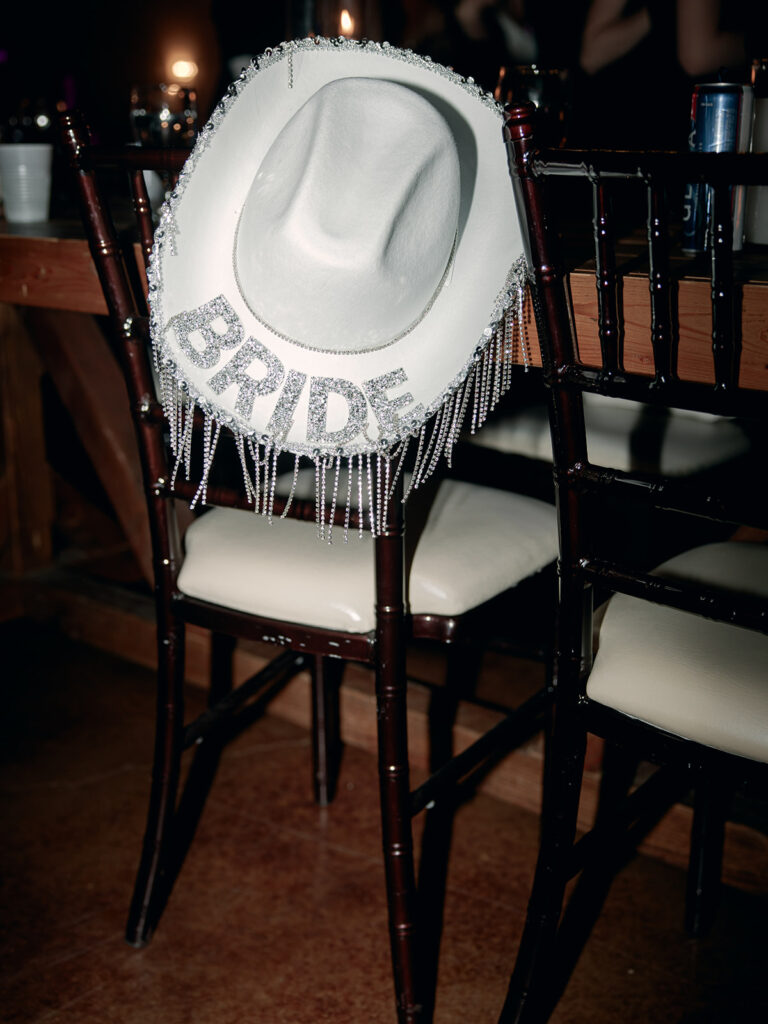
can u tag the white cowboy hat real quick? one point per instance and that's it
(340, 260)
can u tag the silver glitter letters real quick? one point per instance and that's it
(282, 418)
(234, 373)
(319, 389)
(386, 408)
(201, 321)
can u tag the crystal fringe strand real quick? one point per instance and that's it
(348, 506)
(292, 491)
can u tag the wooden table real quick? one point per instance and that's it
(50, 299)
(51, 296)
(695, 319)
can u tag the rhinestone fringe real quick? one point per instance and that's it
(487, 380)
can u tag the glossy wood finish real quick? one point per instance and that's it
(717, 385)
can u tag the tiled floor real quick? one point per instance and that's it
(278, 916)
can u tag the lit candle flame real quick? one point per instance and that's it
(184, 69)
(346, 23)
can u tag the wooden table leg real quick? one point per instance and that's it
(26, 491)
(90, 384)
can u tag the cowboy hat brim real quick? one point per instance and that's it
(264, 386)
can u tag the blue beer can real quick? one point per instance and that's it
(720, 119)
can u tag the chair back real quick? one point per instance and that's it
(669, 331)
(668, 686)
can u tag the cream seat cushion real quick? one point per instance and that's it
(477, 543)
(691, 441)
(704, 680)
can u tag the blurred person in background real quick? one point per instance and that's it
(475, 37)
(638, 63)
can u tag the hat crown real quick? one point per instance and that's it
(350, 222)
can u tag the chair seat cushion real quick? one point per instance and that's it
(625, 435)
(477, 543)
(703, 680)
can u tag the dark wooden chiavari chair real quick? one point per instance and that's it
(678, 678)
(387, 626)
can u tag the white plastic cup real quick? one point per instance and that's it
(25, 175)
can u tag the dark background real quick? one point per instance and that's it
(92, 53)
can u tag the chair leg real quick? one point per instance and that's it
(149, 889)
(326, 728)
(531, 983)
(462, 669)
(397, 838)
(619, 769)
(706, 856)
(222, 653)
